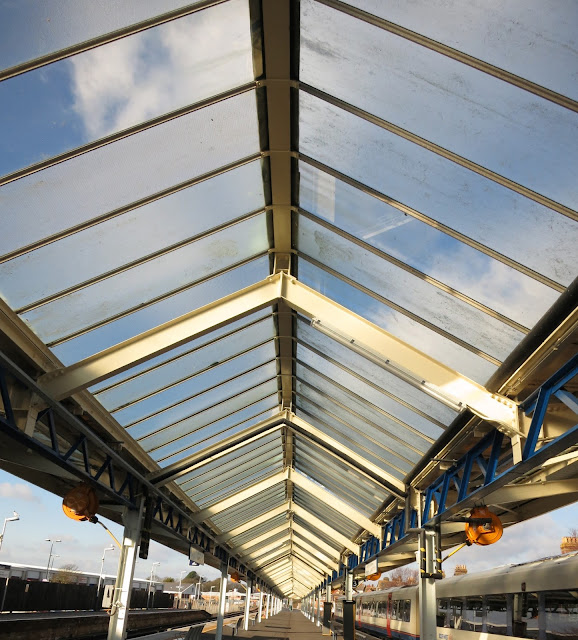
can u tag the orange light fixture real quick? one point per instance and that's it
(235, 576)
(484, 533)
(373, 576)
(80, 503)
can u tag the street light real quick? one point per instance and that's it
(181, 580)
(111, 548)
(10, 519)
(52, 542)
(155, 564)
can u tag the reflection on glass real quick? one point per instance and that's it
(110, 88)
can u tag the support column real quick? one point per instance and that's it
(427, 585)
(326, 629)
(222, 599)
(260, 612)
(318, 621)
(132, 519)
(348, 608)
(247, 605)
(267, 606)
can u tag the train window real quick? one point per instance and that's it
(394, 609)
(382, 609)
(525, 615)
(497, 614)
(455, 611)
(561, 615)
(406, 610)
(443, 618)
(473, 614)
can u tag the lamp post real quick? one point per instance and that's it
(111, 548)
(181, 581)
(10, 519)
(155, 564)
(52, 542)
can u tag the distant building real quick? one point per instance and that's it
(460, 570)
(568, 544)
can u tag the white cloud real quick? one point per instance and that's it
(156, 71)
(17, 491)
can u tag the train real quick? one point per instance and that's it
(537, 600)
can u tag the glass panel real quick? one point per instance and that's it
(346, 435)
(174, 419)
(197, 343)
(442, 100)
(397, 324)
(513, 225)
(130, 169)
(325, 512)
(192, 363)
(496, 614)
(189, 424)
(96, 93)
(131, 236)
(358, 416)
(437, 307)
(216, 431)
(370, 395)
(450, 261)
(33, 28)
(372, 372)
(534, 39)
(138, 285)
(254, 532)
(193, 386)
(163, 311)
(561, 615)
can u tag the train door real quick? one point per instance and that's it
(388, 618)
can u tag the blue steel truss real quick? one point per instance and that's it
(113, 476)
(484, 457)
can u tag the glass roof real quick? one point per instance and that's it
(412, 163)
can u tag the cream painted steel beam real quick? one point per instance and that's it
(254, 522)
(62, 383)
(322, 526)
(402, 359)
(310, 562)
(532, 491)
(314, 561)
(328, 549)
(360, 463)
(308, 569)
(261, 563)
(336, 503)
(245, 494)
(262, 538)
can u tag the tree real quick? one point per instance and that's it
(403, 576)
(192, 576)
(66, 574)
(168, 579)
(573, 532)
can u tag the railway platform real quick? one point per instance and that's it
(290, 625)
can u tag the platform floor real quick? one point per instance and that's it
(292, 625)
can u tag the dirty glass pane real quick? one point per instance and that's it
(182, 421)
(217, 334)
(374, 374)
(534, 39)
(413, 294)
(132, 236)
(195, 385)
(128, 170)
(442, 100)
(423, 247)
(459, 198)
(189, 364)
(135, 286)
(325, 512)
(366, 422)
(216, 431)
(320, 412)
(33, 28)
(395, 323)
(168, 309)
(118, 85)
(351, 384)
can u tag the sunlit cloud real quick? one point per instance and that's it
(17, 491)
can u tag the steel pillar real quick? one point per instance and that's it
(260, 612)
(318, 621)
(222, 599)
(247, 605)
(132, 519)
(268, 606)
(427, 585)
